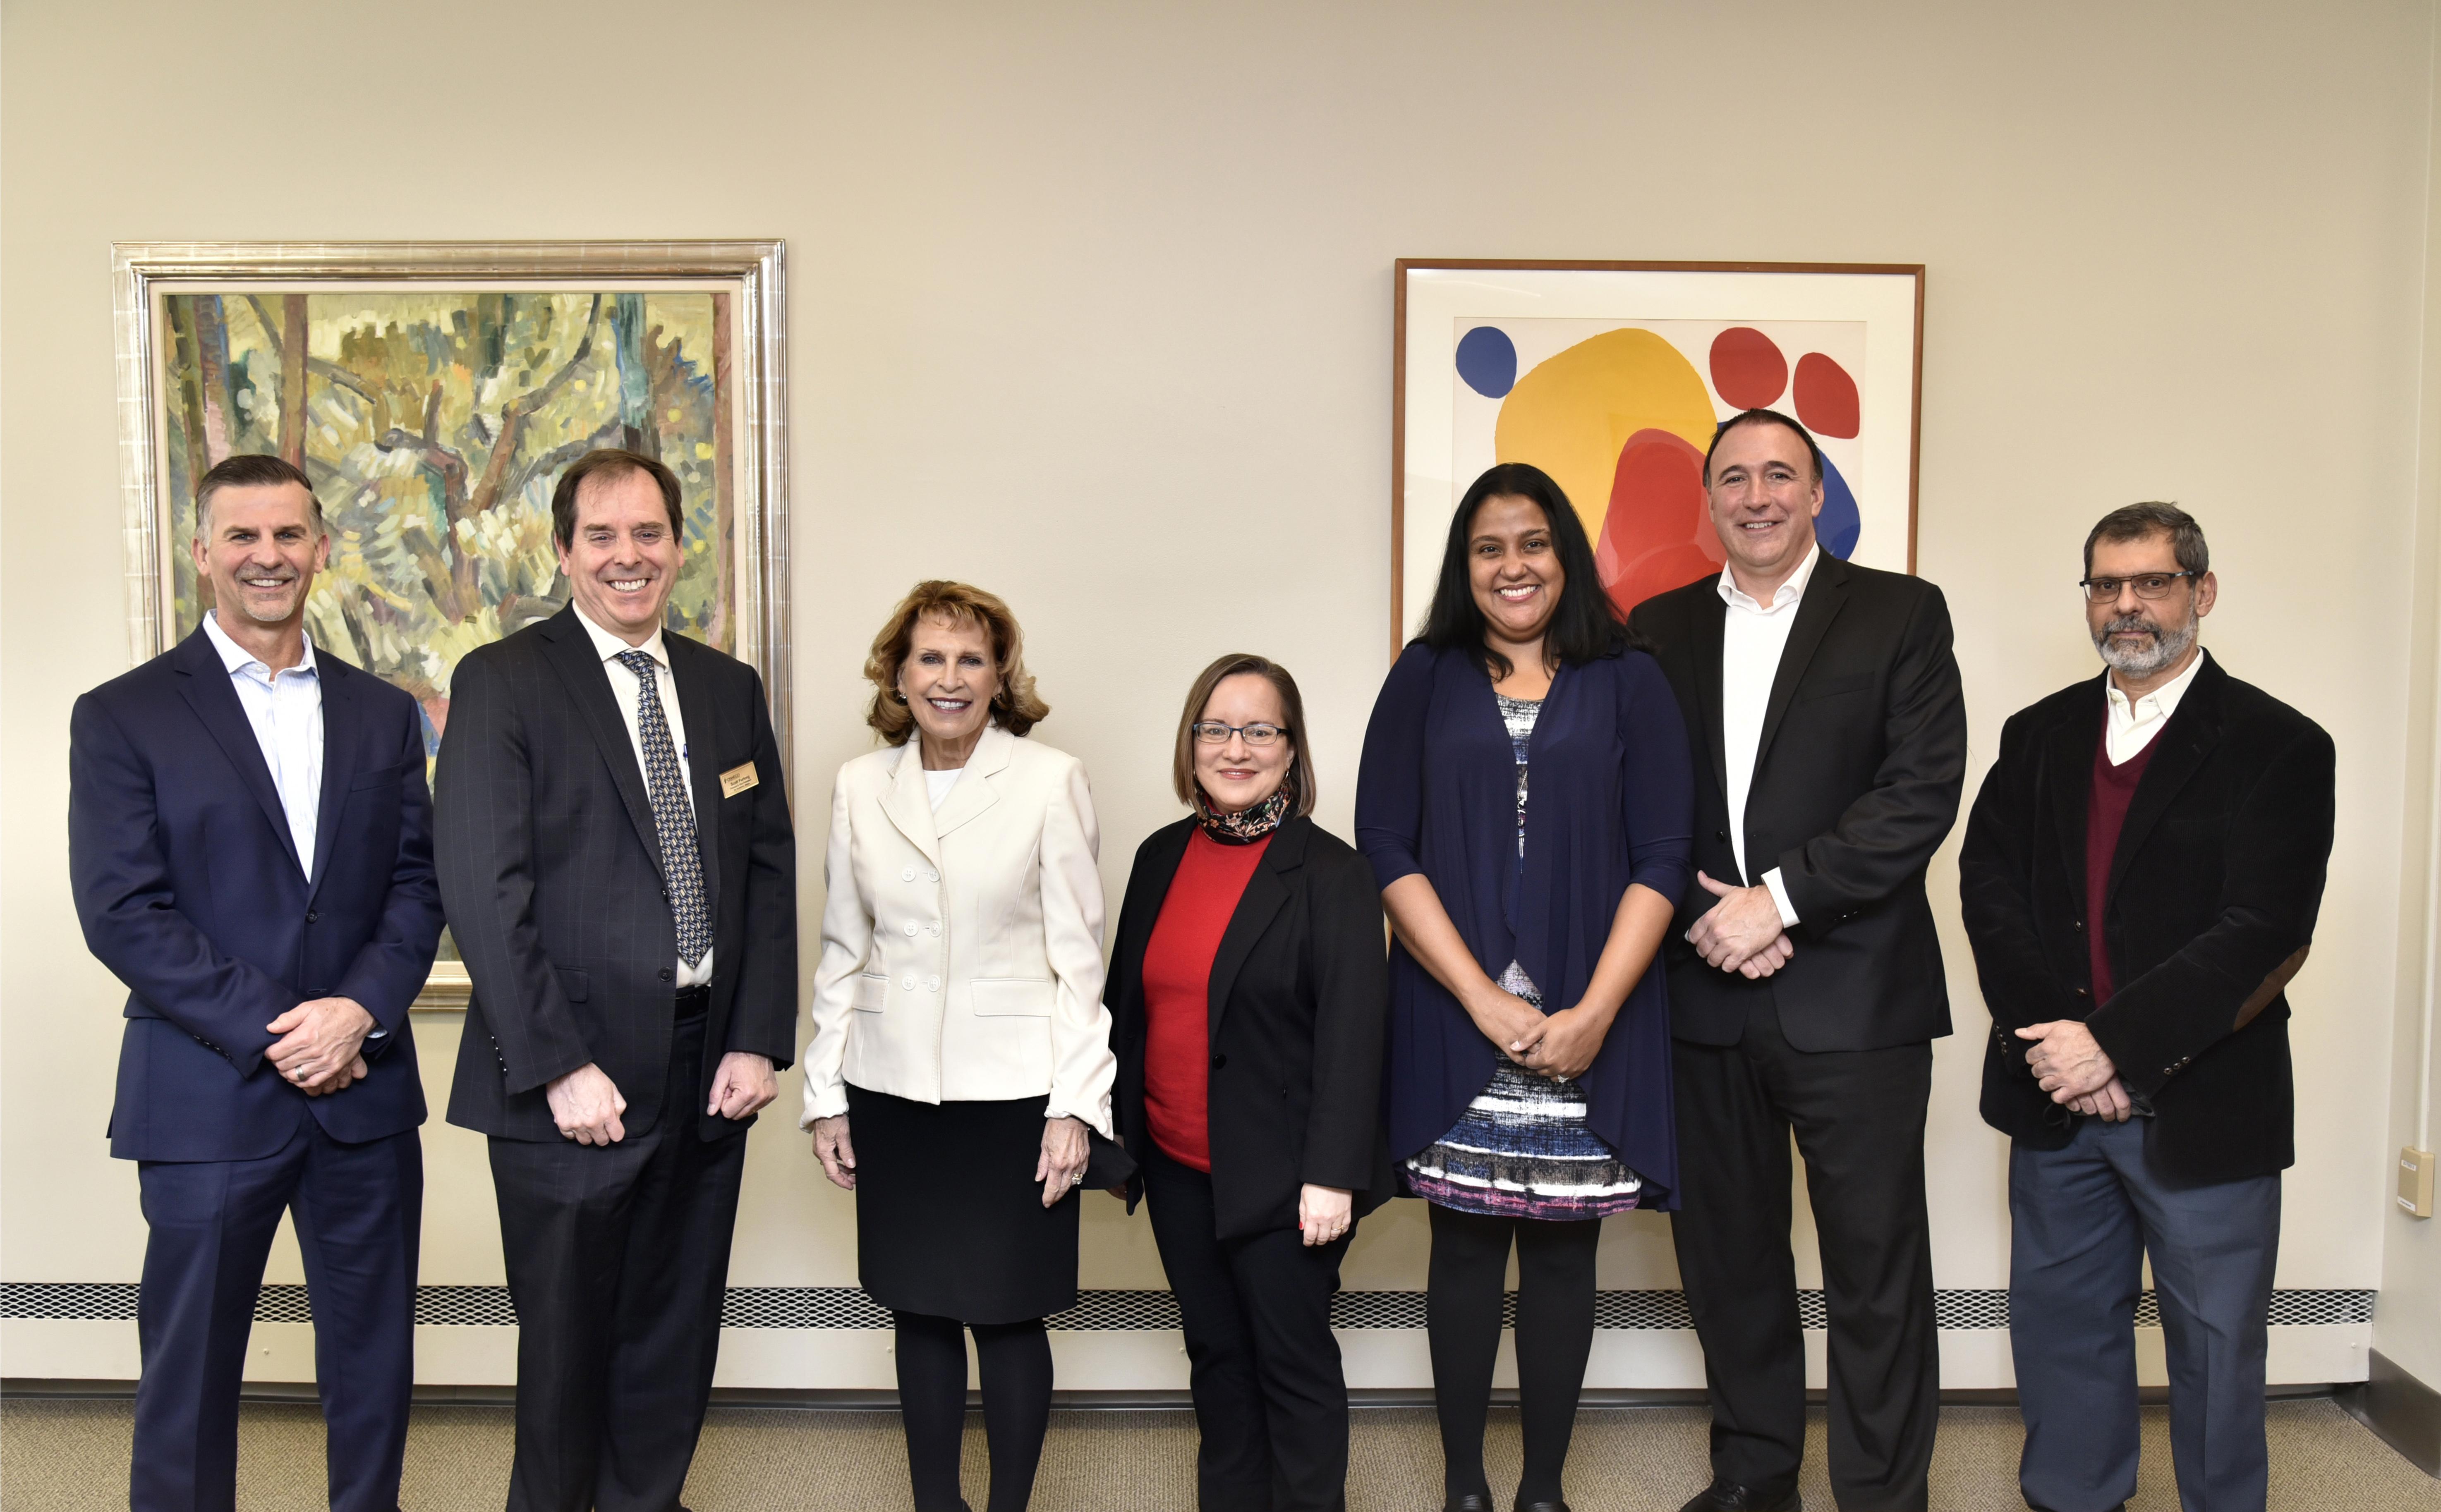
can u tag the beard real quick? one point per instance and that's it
(2167, 646)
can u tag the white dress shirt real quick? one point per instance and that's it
(2133, 725)
(1753, 636)
(625, 686)
(285, 709)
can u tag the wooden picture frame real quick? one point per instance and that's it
(1609, 375)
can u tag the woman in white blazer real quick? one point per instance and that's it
(961, 1050)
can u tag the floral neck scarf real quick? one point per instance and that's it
(1247, 825)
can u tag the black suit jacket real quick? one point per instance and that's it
(2213, 890)
(550, 870)
(1856, 784)
(1300, 991)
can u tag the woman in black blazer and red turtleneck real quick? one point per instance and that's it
(1248, 990)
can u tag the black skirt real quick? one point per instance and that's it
(949, 1218)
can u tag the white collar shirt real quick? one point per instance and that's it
(1753, 636)
(624, 686)
(285, 709)
(2133, 725)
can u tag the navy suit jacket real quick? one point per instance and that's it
(1610, 805)
(190, 890)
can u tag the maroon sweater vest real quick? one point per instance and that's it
(2106, 815)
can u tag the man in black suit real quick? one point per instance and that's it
(1830, 741)
(2141, 878)
(620, 874)
(250, 845)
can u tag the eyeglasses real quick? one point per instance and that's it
(2147, 585)
(1213, 732)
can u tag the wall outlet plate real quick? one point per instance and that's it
(2416, 1182)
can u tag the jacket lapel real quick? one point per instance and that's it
(205, 685)
(2182, 749)
(573, 656)
(339, 756)
(703, 748)
(908, 803)
(2067, 779)
(1708, 636)
(974, 791)
(1826, 594)
(1267, 892)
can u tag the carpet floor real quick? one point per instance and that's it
(71, 1456)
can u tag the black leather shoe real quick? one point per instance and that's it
(1542, 1506)
(1723, 1497)
(1470, 1502)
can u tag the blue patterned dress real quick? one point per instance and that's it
(1524, 1150)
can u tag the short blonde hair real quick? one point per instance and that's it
(1015, 705)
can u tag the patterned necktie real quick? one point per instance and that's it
(673, 812)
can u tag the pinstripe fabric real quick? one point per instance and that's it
(551, 873)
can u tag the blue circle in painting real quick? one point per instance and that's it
(1486, 359)
(1840, 521)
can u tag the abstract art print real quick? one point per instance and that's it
(1610, 377)
(433, 394)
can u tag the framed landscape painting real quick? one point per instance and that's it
(1610, 377)
(433, 393)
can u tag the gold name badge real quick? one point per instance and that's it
(737, 780)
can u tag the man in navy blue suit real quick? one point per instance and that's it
(251, 841)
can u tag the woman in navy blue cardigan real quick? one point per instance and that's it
(1528, 1080)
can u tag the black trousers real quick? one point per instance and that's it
(359, 1213)
(1271, 1401)
(617, 1257)
(1858, 1117)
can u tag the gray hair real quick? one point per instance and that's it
(2154, 517)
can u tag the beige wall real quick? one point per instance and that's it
(1092, 304)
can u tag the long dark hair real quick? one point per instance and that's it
(1585, 624)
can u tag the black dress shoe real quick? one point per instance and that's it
(1470, 1502)
(1723, 1497)
(1542, 1506)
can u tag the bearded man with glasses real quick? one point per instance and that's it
(2140, 876)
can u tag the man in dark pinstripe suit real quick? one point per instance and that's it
(618, 868)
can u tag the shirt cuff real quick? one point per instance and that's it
(1780, 897)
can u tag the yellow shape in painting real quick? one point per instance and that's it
(1573, 412)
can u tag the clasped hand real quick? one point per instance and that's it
(2070, 1065)
(1743, 932)
(319, 1049)
(1558, 1045)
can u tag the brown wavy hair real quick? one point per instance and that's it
(1299, 776)
(1014, 704)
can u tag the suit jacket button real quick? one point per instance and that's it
(933, 984)
(931, 876)
(907, 983)
(1721, 835)
(906, 873)
(1219, 1061)
(669, 974)
(2083, 992)
(911, 928)
(311, 917)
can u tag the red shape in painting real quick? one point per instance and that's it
(1826, 396)
(1748, 368)
(1658, 535)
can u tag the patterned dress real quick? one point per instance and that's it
(1524, 1150)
